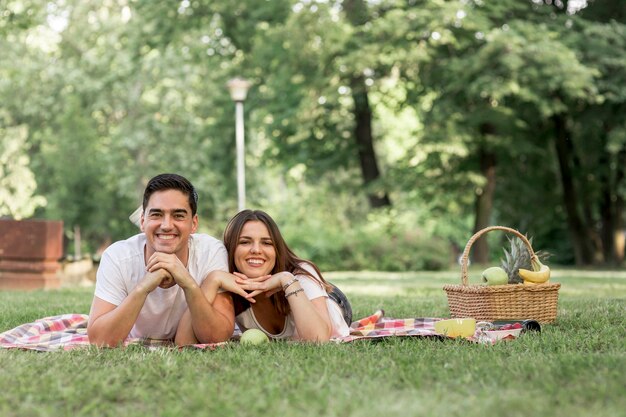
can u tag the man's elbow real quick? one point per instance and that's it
(99, 340)
(216, 337)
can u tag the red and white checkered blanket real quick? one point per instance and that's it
(66, 332)
(69, 331)
(378, 326)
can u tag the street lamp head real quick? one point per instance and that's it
(238, 88)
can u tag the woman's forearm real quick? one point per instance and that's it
(310, 316)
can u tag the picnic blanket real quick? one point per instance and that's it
(69, 331)
(378, 326)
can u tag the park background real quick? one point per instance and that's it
(379, 134)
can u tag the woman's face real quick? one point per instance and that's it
(255, 254)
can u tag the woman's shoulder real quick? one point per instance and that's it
(310, 281)
(308, 267)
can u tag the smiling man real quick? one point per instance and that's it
(144, 284)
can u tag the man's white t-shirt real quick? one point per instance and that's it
(123, 266)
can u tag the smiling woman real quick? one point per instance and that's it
(286, 296)
(255, 254)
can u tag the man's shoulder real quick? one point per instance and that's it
(206, 242)
(208, 253)
(127, 247)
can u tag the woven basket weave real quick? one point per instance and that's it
(502, 302)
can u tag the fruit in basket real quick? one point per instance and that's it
(540, 273)
(520, 267)
(515, 258)
(495, 276)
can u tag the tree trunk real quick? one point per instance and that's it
(607, 206)
(357, 13)
(581, 241)
(586, 203)
(619, 236)
(612, 206)
(365, 144)
(484, 204)
(608, 227)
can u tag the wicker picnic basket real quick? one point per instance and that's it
(502, 302)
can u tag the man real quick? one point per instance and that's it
(144, 284)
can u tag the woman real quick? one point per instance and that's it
(287, 297)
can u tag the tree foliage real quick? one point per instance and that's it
(462, 113)
(17, 182)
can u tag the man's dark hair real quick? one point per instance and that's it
(164, 182)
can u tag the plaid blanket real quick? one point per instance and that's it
(378, 326)
(69, 331)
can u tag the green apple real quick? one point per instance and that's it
(253, 337)
(495, 276)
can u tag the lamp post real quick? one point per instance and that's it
(238, 88)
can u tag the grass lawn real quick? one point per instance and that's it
(575, 367)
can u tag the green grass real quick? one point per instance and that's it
(575, 367)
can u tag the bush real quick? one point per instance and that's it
(380, 241)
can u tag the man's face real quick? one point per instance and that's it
(167, 222)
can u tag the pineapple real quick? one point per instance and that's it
(519, 257)
(515, 258)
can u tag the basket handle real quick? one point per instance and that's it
(465, 256)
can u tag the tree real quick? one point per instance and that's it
(461, 113)
(511, 71)
(17, 182)
(597, 145)
(308, 64)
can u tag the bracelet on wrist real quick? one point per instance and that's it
(289, 283)
(294, 292)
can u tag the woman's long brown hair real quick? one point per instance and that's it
(286, 260)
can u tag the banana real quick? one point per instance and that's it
(539, 275)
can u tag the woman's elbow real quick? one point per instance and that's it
(325, 337)
(322, 335)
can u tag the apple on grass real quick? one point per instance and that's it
(495, 276)
(253, 337)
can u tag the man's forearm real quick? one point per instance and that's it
(210, 325)
(112, 328)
